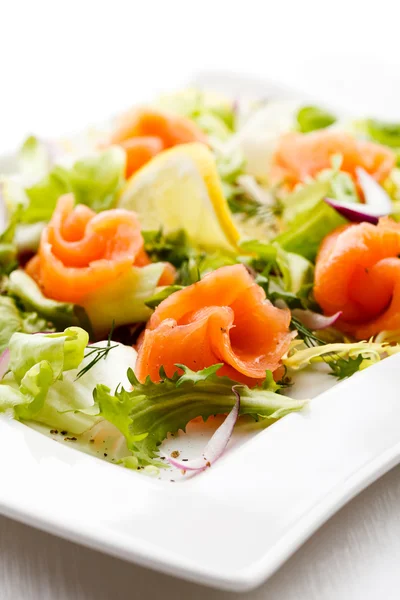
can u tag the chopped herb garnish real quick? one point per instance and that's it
(98, 353)
(309, 338)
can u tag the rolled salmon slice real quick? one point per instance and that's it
(224, 318)
(300, 156)
(145, 132)
(80, 251)
(358, 272)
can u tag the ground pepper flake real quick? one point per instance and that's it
(175, 454)
(64, 432)
(54, 431)
(70, 439)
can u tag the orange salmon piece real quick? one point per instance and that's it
(81, 251)
(139, 150)
(224, 318)
(300, 156)
(140, 128)
(358, 272)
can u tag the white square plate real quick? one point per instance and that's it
(234, 525)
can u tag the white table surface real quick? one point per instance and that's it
(64, 64)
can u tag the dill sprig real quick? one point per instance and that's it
(309, 338)
(98, 353)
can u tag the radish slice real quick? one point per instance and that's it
(215, 446)
(4, 362)
(356, 213)
(375, 196)
(313, 320)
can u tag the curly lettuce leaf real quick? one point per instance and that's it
(147, 413)
(283, 275)
(341, 356)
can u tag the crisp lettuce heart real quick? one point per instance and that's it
(13, 319)
(51, 377)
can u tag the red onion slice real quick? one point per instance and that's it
(377, 201)
(4, 362)
(375, 196)
(313, 320)
(215, 446)
(356, 213)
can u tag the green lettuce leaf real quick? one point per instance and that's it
(200, 107)
(95, 181)
(161, 294)
(8, 249)
(52, 377)
(150, 411)
(69, 403)
(123, 301)
(12, 319)
(310, 118)
(283, 275)
(34, 159)
(191, 263)
(387, 134)
(29, 295)
(37, 362)
(62, 351)
(308, 229)
(42, 196)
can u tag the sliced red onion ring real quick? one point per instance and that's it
(4, 362)
(356, 213)
(313, 320)
(215, 446)
(375, 196)
(377, 201)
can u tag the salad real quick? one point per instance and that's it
(189, 259)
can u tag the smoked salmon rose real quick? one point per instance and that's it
(358, 272)
(224, 318)
(81, 252)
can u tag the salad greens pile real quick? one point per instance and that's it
(62, 364)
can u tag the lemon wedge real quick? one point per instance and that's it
(180, 189)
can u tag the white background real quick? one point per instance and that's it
(66, 64)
